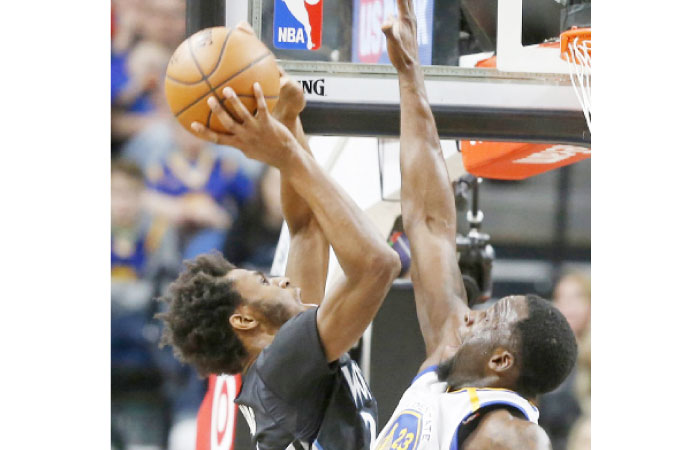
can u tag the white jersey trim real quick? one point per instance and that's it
(426, 383)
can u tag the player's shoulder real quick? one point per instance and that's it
(502, 430)
(295, 345)
(297, 331)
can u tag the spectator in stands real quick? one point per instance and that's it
(146, 33)
(128, 20)
(138, 97)
(140, 88)
(143, 256)
(573, 298)
(569, 405)
(144, 247)
(252, 240)
(198, 191)
(165, 22)
(141, 245)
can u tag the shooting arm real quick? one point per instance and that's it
(307, 262)
(368, 263)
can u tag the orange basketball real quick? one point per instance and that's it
(212, 59)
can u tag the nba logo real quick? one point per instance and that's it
(298, 24)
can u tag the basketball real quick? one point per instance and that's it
(212, 59)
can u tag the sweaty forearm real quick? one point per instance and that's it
(295, 210)
(354, 239)
(426, 192)
(307, 261)
(416, 117)
(429, 218)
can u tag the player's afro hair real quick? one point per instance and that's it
(548, 347)
(196, 322)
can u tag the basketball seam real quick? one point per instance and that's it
(222, 102)
(266, 97)
(186, 83)
(204, 77)
(221, 54)
(254, 62)
(196, 63)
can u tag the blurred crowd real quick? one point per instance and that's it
(565, 413)
(173, 196)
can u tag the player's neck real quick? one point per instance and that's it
(249, 363)
(254, 346)
(487, 381)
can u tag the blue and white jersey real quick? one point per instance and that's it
(429, 416)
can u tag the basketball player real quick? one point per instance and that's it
(300, 388)
(483, 368)
(298, 10)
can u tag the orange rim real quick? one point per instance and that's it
(569, 36)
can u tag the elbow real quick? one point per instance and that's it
(383, 267)
(302, 225)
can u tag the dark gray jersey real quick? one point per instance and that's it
(293, 398)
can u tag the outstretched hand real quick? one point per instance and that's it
(258, 136)
(401, 36)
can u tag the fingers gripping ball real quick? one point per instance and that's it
(212, 59)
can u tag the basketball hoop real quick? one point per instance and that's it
(576, 51)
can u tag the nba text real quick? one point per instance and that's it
(298, 24)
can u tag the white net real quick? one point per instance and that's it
(579, 59)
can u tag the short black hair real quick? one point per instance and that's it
(548, 347)
(196, 322)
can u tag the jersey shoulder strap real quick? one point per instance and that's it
(483, 400)
(486, 397)
(425, 377)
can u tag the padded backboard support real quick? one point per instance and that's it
(467, 103)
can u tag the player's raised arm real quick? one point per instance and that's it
(307, 262)
(427, 199)
(367, 261)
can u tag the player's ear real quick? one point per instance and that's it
(501, 360)
(243, 319)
